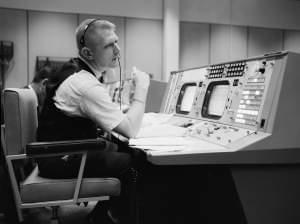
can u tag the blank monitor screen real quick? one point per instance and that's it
(217, 100)
(188, 98)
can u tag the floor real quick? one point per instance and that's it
(71, 214)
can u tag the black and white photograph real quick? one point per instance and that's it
(150, 111)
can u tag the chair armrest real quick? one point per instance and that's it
(65, 147)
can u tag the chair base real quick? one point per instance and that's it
(54, 218)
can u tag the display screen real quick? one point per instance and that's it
(186, 98)
(215, 99)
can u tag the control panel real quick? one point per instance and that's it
(226, 103)
(230, 93)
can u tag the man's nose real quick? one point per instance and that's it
(116, 49)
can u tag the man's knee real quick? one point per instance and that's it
(122, 161)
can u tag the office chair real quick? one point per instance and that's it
(18, 136)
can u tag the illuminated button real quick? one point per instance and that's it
(246, 92)
(238, 120)
(256, 80)
(252, 107)
(250, 112)
(251, 122)
(242, 106)
(249, 117)
(250, 87)
(240, 115)
(255, 102)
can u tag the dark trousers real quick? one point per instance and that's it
(120, 164)
(7, 205)
(98, 164)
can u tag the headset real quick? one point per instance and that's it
(82, 39)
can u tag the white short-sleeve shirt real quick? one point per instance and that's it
(81, 94)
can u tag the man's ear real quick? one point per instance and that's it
(44, 81)
(86, 53)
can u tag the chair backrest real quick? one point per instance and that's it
(20, 119)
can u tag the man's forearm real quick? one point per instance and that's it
(136, 112)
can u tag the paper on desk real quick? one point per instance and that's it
(176, 145)
(155, 118)
(162, 130)
(158, 141)
(162, 149)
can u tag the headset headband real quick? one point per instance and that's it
(82, 39)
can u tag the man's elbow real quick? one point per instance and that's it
(131, 132)
(127, 129)
(131, 135)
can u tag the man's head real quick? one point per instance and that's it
(97, 43)
(40, 82)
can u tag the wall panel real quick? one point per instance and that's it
(227, 43)
(51, 34)
(13, 28)
(131, 8)
(220, 43)
(238, 40)
(292, 40)
(263, 41)
(143, 46)
(205, 11)
(281, 14)
(194, 45)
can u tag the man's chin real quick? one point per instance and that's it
(114, 64)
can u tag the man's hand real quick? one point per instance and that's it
(130, 126)
(140, 78)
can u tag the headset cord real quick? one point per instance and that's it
(121, 85)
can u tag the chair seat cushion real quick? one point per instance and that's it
(37, 189)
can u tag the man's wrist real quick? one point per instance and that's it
(140, 95)
(138, 100)
(142, 84)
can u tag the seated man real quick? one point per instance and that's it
(78, 104)
(39, 84)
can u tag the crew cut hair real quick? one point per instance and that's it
(86, 24)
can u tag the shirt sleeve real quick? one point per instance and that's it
(97, 105)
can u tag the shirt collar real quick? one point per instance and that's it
(96, 72)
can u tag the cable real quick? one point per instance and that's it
(120, 88)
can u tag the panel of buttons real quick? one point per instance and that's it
(251, 97)
(216, 71)
(217, 133)
(235, 69)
